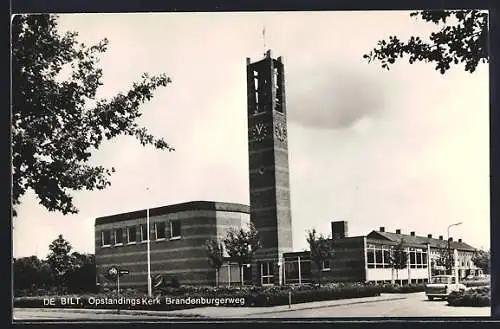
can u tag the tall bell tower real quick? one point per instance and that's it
(268, 164)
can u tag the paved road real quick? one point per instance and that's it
(29, 314)
(387, 305)
(414, 305)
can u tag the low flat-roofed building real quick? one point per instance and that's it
(178, 234)
(366, 258)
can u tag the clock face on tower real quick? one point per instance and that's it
(259, 131)
(280, 131)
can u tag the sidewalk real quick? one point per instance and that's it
(237, 312)
(241, 312)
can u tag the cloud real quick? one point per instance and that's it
(332, 97)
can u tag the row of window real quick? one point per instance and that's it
(139, 233)
(380, 257)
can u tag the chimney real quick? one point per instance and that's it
(382, 229)
(412, 233)
(429, 236)
(459, 240)
(398, 231)
(339, 230)
(440, 237)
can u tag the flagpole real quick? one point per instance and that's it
(148, 252)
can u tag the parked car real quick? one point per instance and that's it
(441, 286)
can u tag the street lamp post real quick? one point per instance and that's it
(150, 292)
(452, 263)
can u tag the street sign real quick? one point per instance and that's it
(124, 272)
(113, 271)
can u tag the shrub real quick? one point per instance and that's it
(409, 288)
(477, 297)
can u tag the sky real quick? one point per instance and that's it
(405, 149)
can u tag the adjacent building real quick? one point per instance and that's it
(367, 258)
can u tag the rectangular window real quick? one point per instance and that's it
(370, 256)
(325, 266)
(160, 230)
(387, 257)
(144, 232)
(106, 238)
(131, 234)
(175, 229)
(267, 272)
(413, 259)
(118, 236)
(378, 256)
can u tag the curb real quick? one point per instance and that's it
(324, 306)
(111, 311)
(179, 314)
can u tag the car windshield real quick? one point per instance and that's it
(440, 279)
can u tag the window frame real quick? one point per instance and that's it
(145, 227)
(378, 256)
(269, 277)
(102, 239)
(171, 223)
(128, 234)
(323, 268)
(115, 235)
(164, 231)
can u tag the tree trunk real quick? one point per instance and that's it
(241, 270)
(392, 275)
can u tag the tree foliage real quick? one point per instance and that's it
(445, 259)
(321, 250)
(60, 259)
(31, 272)
(215, 253)
(58, 122)
(82, 276)
(462, 37)
(241, 245)
(62, 270)
(398, 257)
(482, 259)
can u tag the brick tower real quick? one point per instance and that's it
(268, 164)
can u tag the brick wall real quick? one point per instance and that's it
(184, 258)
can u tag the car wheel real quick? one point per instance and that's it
(430, 297)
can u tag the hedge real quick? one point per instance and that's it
(253, 296)
(477, 297)
(476, 283)
(408, 288)
(249, 297)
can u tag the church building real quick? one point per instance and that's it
(178, 233)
